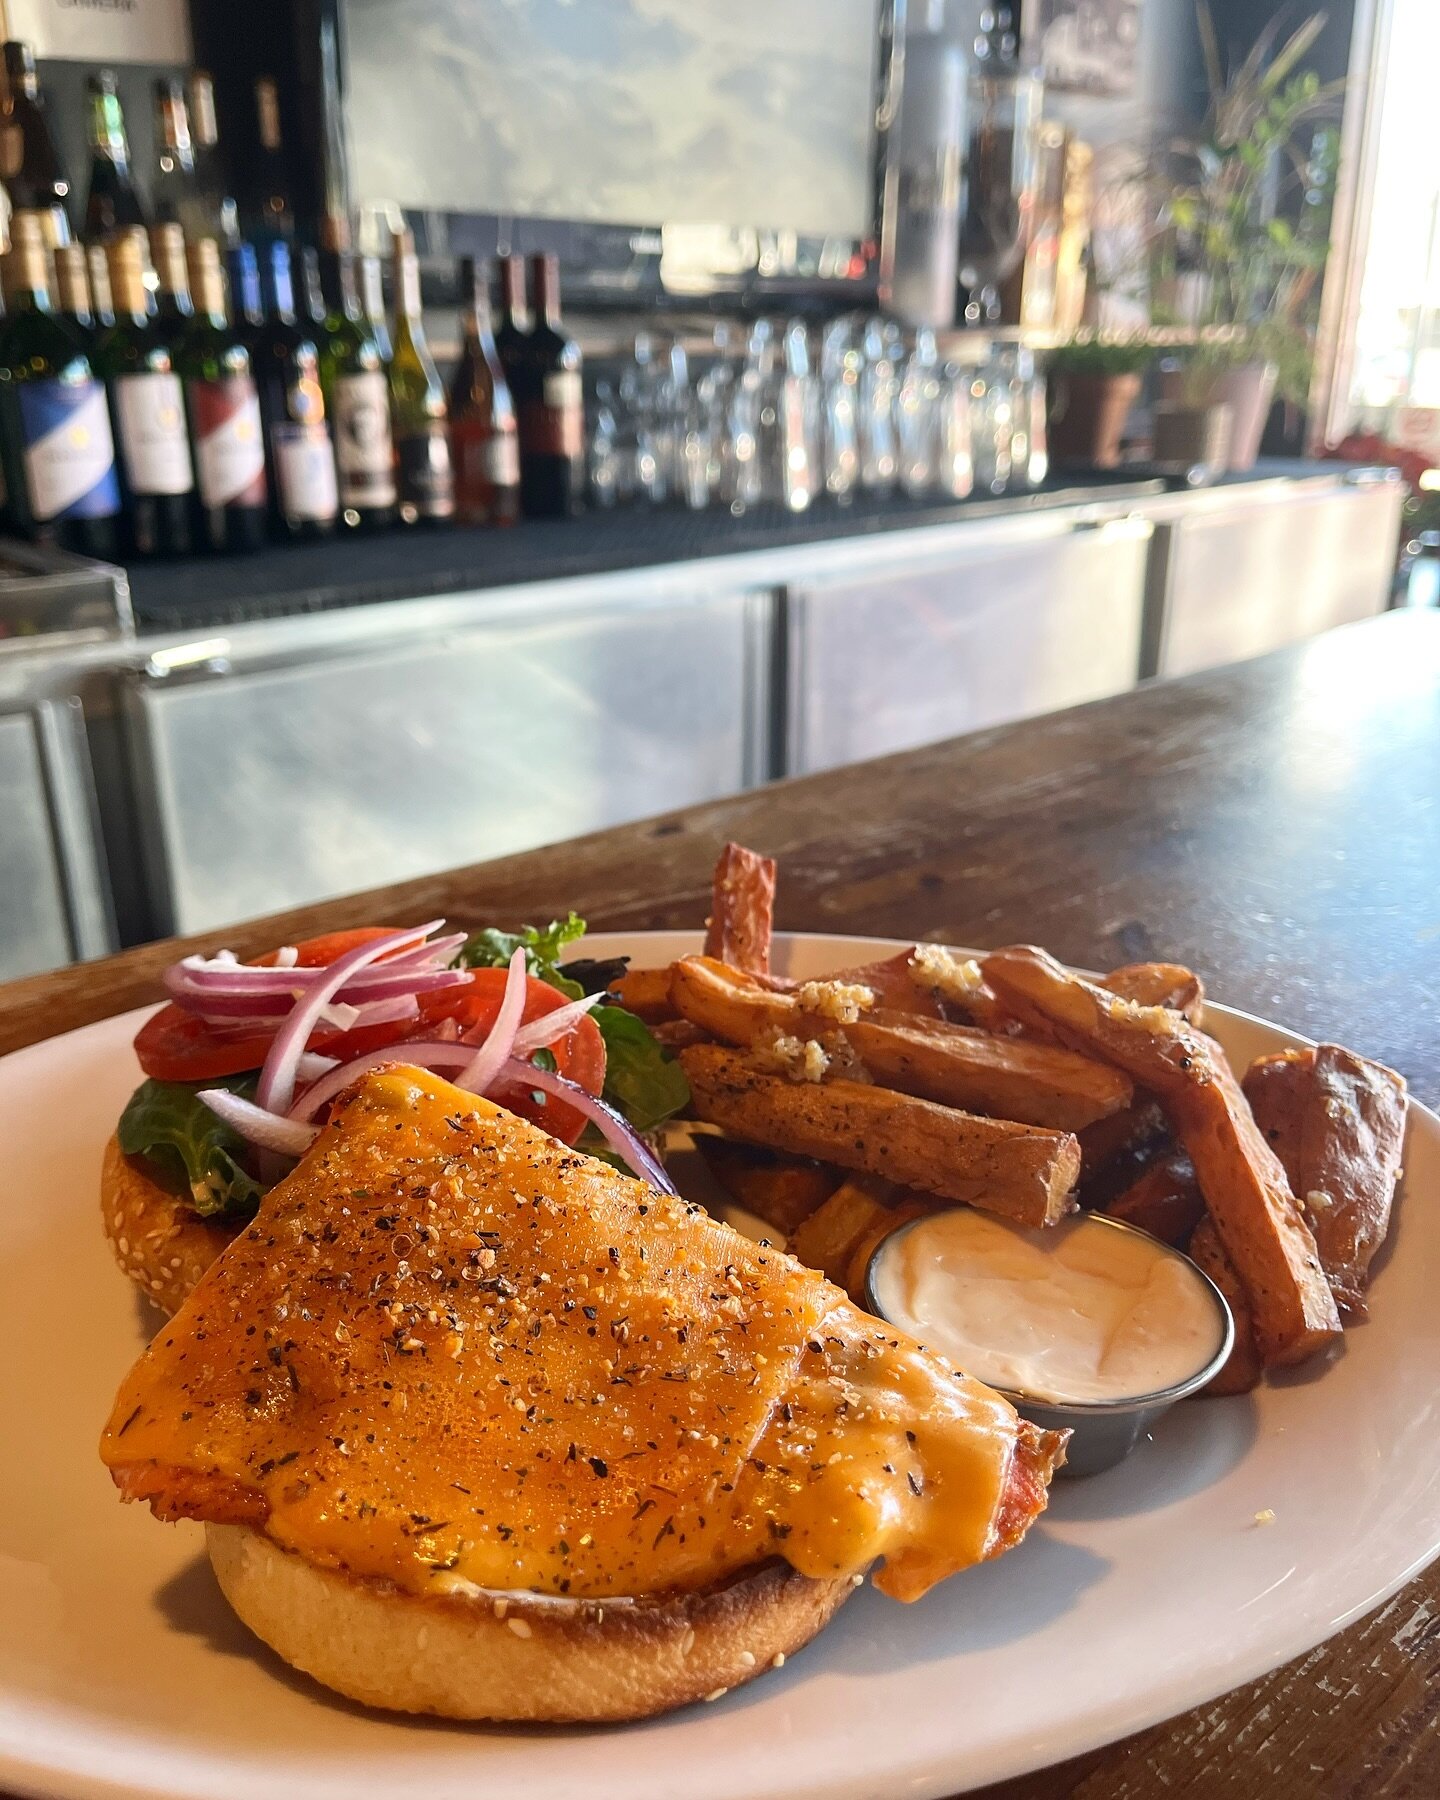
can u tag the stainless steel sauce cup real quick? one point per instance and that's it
(1104, 1432)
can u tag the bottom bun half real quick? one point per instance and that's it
(518, 1656)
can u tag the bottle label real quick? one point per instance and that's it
(305, 471)
(364, 453)
(554, 424)
(69, 452)
(426, 478)
(229, 442)
(151, 413)
(484, 457)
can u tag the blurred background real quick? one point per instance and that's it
(432, 428)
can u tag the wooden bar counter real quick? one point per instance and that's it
(1276, 825)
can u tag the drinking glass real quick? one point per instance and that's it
(918, 417)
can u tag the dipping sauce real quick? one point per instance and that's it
(1078, 1312)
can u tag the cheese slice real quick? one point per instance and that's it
(450, 1352)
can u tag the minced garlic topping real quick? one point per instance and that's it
(940, 971)
(842, 1001)
(798, 1059)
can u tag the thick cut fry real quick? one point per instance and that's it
(781, 1190)
(1277, 1087)
(1020, 1171)
(1037, 1084)
(742, 909)
(956, 984)
(892, 981)
(1164, 1200)
(828, 1239)
(1116, 1150)
(646, 993)
(1337, 1123)
(1160, 984)
(1259, 1220)
(1242, 1368)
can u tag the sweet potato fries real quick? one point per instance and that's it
(1006, 1081)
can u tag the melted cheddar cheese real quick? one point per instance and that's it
(451, 1353)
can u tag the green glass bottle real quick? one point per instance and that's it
(418, 413)
(357, 395)
(72, 291)
(113, 205)
(174, 309)
(55, 439)
(148, 405)
(224, 409)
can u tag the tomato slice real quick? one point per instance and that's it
(176, 1046)
(579, 1056)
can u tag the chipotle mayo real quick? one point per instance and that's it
(1079, 1312)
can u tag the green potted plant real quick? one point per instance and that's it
(1236, 261)
(1090, 386)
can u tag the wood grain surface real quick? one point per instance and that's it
(1276, 825)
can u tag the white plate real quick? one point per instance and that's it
(1142, 1592)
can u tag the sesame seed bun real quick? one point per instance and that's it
(159, 1242)
(520, 1656)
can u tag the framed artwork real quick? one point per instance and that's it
(1086, 46)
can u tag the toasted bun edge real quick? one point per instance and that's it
(519, 1657)
(159, 1243)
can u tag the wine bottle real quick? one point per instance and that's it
(424, 477)
(274, 215)
(242, 268)
(512, 340)
(357, 395)
(29, 162)
(484, 444)
(101, 305)
(372, 302)
(224, 409)
(218, 214)
(113, 205)
(173, 197)
(300, 454)
(55, 439)
(550, 404)
(72, 290)
(148, 405)
(174, 309)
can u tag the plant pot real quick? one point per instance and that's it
(1086, 416)
(1248, 391)
(1193, 441)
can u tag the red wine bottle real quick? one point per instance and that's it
(484, 441)
(550, 404)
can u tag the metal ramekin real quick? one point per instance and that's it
(1104, 1432)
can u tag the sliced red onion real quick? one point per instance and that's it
(256, 1125)
(312, 1065)
(286, 957)
(488, 1061)
(262, 986)
(621, 1136)
(276, 1090)
(540, 1033)
(428, 1053)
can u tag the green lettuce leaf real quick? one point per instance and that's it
(543, 947)
(196, 1153)
(642, 1080)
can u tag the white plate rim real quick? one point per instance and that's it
(952, 1774)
